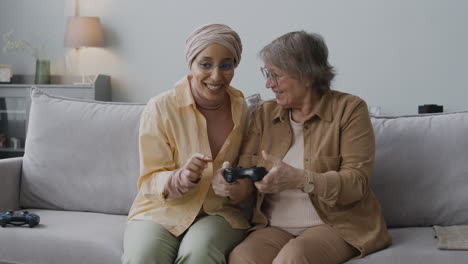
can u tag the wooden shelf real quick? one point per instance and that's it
(11, 150)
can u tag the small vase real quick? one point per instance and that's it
(42, 72)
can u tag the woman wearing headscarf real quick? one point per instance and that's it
(181, 214)
(315, 205)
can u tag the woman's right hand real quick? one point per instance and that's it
(194, 167)
(187, 177)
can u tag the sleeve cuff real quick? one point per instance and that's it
(327, 187)
(159, 185)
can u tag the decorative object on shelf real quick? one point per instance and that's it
(2, 140)
(430, 108)
(6, 72)
(42, 64)
(252, 101)
(374, 110)
(42, 72)
(83, 32)
(15, 143)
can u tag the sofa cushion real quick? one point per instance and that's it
(421, 169)
(415, 245)
(80, 155)
(65, 237)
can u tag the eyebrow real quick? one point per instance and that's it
(210, 58)
(273, 71)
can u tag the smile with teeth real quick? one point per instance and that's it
(278, 92)
(213, 87)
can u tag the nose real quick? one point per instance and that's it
(269, 83)
(216, 74)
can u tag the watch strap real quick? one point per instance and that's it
(309, 187)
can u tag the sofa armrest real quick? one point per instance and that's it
(10, 178)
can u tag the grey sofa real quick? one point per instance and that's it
(81, 164)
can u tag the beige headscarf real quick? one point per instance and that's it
(209, 34)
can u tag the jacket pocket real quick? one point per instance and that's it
(255, 160)
(263, 163)
(322, 164)
(249, 160)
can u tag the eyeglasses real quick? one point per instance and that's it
(273, 77)
(208, 67)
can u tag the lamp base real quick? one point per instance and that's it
(86, 80)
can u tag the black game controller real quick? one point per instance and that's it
(254, 173)
(19, 219)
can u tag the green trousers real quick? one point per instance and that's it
(209, 239)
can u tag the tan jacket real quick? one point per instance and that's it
(339, 149)
(171, 130)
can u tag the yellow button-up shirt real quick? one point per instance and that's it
(171, 130)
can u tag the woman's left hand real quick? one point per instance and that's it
(281, 177)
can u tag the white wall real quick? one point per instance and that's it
(396, 54)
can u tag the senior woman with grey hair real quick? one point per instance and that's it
(182, 214)
(315, 204)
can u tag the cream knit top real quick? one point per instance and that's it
(292, 210)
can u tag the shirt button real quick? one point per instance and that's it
(306, 127)
(306, 160)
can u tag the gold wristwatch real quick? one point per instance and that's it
(309, 187)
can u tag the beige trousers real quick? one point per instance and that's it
(318, 244)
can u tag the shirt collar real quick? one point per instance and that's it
(185, 98)
(323, 109)
(183, 94)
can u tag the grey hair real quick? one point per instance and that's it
(303, 55)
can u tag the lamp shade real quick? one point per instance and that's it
(84, 32)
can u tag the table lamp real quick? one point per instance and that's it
(83, 32)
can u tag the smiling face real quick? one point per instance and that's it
(290, 92)
(212, 72)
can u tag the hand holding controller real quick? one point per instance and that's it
(19, 219)
(254, 173)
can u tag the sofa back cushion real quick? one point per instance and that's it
(421, 169)
(80, 155)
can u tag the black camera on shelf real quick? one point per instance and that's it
(430, 108)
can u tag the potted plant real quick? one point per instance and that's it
(42, 75)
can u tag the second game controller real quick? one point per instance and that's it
(19, 219)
